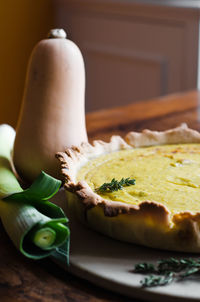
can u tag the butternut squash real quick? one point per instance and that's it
(52, 116)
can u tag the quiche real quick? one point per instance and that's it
(158, 202)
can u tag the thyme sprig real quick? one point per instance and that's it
(167, 271)
(116, 185)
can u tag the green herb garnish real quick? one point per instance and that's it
(167, 271)
(116, 185)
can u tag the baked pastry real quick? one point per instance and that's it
(154, 199)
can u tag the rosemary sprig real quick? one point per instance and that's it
(116, 185)
(167, 271)
(154, 280)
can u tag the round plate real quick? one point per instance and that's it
(109, 263)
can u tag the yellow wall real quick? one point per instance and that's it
(22, 24)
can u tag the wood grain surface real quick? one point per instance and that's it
(24, 280)
(156, 114)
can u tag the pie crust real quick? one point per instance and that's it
(128, 222)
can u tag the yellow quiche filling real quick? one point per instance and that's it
(168, 174)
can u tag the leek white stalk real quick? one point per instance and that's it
(8, 181)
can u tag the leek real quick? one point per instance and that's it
(44, 237)
(8, 182)
(37, 227)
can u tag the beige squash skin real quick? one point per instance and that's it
(52, 117)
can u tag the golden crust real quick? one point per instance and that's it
(148, 223)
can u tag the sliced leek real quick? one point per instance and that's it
(44, 237)
(36, 226)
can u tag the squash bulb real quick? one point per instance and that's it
(52, 116)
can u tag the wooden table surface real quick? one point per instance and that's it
(26, 280)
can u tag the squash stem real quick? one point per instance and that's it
(57, 33)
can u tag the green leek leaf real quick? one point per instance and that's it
(43, 188)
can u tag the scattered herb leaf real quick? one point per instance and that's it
(144, 268)
(116, 185)
(167, 271)
(155, 280)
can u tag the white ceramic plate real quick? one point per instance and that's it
(108, 263)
